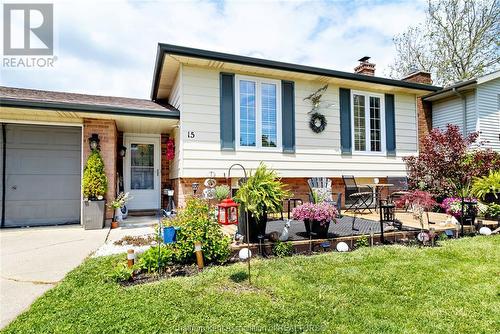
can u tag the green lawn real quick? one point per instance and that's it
(392, 289)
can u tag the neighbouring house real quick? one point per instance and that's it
(472, 105)
(218, 109)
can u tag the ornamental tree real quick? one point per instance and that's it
(447, 162)
(95, 182)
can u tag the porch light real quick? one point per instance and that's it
(195, 186)
(94, 142)
(122, 151)
(227, 212)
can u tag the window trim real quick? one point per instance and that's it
(367, 96)
(258, 114)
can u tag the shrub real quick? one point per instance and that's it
(121, 272)
(156, 257)
(95, 182)
(485, 185)
(445, 162)
(362, 242)
(493, 211)
(263, 192)
(283, 249)
(197, 224)
(222, 192)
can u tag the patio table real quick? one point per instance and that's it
(376, 189)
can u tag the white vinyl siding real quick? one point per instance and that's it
(447, 112)
(488, 104)
(315, 155)
(451, 111)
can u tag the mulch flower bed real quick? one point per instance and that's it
(177, 270)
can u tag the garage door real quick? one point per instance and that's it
(42, 175)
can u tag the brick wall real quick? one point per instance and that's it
(298, 187)
(165, 169)
(108, 136)
(424, 115)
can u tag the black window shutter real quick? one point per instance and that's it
(390, 125)
(345, 120)
(227, 122)
(288, 116)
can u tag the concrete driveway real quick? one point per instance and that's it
(33, 260)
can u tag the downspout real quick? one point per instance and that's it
(4, 154)
(464, 110)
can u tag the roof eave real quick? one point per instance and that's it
(446, 91)
(101, 109)
(244, 60)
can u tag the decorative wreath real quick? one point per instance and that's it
(317, 122)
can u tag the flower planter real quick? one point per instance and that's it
(169, 234)
(319, 229)
(93, 214)
(257, 227)
(115, 224)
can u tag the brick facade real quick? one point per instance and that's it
(165, 169)
(298, 187)
(108, 136)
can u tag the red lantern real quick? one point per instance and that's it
(227, 212)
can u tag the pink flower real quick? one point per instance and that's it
(322, 212)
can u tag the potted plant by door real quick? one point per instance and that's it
(117, 204)
(262, 193)
(95, 185)
(316, 217)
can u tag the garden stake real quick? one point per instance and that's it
(130, 258)
(371, 237)
(246, 213)
(199, 255)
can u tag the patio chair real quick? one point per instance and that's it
(322, 187)
(399, 188)
(360, 198)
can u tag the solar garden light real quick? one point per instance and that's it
(195, 186)
(130, 258)
(94, 142)
(199, 254)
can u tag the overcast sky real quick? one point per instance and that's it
(109, 47)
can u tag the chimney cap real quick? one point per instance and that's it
(364, 59)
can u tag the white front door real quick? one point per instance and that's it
(142, 171)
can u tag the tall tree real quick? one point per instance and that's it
(459, 40)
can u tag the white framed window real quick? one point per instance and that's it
(258, 113)
(368, 122)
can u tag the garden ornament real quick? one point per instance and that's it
(342, 247)
(284, 234)
(245, 253)
(485, 230)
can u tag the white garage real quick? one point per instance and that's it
(41, 175)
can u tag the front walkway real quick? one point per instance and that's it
(33, 260)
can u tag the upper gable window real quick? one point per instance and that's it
(258, 113)
(368, 123)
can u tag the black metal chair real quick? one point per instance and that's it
(324, 185)
(399, 188)
(360, 198)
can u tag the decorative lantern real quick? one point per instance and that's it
(227, 212)
(94, 142)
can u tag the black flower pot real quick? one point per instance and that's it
(257, 227)
(316, 228)
(490, 198)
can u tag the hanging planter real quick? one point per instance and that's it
(317, 122)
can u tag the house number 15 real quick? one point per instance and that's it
(191, 134)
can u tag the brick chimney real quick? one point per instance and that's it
(365, 67)
(419, 76)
